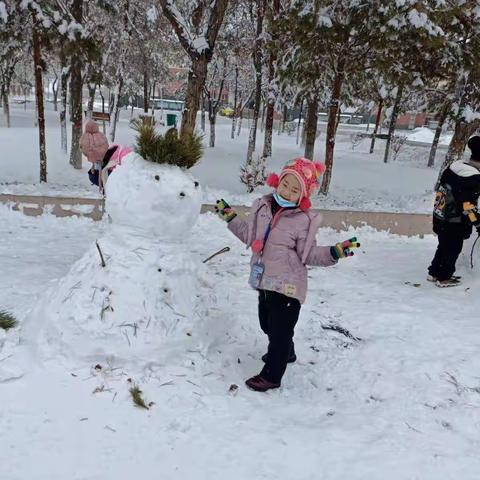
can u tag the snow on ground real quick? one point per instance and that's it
(426, 135)
(401, 402)
(360, 181)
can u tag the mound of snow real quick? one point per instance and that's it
(149, 288)
(421, 134)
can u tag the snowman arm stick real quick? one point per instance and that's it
(101, 254)
(223, 250)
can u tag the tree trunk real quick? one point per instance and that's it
(393, 121)
(304, 130)
(235, 104)
(76, 92)
(267, 144)
(311, 127)
(256, 113)
(37, 61)
(262, 123)
(145, 92)
(438, 131)
(55, 92)
(257, 60)
(91, 98)
(284, 119)
(35, 117)
(240, 120)
(77, 117)
(6, 106)
(102, 97)
(332, 126)
(253, 173)
(63, 100)
(299, 120)
(463, 131)
(196, 82)
(272, 92)
(115, 110)
(153, 96)
(377, 123)
(103, 105)
(202, 116)
(270, 107)
(212, 117)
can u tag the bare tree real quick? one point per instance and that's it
(199, 43)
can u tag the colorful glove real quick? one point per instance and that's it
(471, 212)
(224, 211)
(344, 249)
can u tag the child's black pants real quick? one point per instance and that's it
(278, 316)
(449, 248)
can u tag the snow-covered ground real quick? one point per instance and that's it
(399, 402)
(360, 181)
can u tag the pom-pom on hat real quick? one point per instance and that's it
(308, 174)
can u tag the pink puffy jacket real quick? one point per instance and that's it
(93, 144)
(290, 246)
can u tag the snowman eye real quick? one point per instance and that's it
(182, 194)
(196, 184)
(157, 178)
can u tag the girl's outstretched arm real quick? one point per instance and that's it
(318, 256)
(239, 227)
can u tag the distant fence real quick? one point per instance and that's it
(400, 223)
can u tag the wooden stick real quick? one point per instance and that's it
(101, 255)
(223, 250)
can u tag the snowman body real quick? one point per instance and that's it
(148, 288)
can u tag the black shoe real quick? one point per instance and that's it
(291, 359)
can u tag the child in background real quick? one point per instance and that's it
(94, 145)
(104, 158)
(454, 214)
(281, 232)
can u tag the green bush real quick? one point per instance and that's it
(168, 148)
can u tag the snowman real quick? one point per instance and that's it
(137, 285)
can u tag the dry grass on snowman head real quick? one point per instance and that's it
(169, 148)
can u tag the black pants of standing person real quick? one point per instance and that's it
(278, 315)
(450, 244)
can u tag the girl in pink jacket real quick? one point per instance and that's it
(281, 232)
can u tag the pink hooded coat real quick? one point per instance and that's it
(290, 246)
(93, 144)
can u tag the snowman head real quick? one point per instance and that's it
(161, 200)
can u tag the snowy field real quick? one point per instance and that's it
(360, 181)
(400, 401)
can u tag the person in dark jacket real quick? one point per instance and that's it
(455, 214)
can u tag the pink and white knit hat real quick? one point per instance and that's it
(308, 174)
